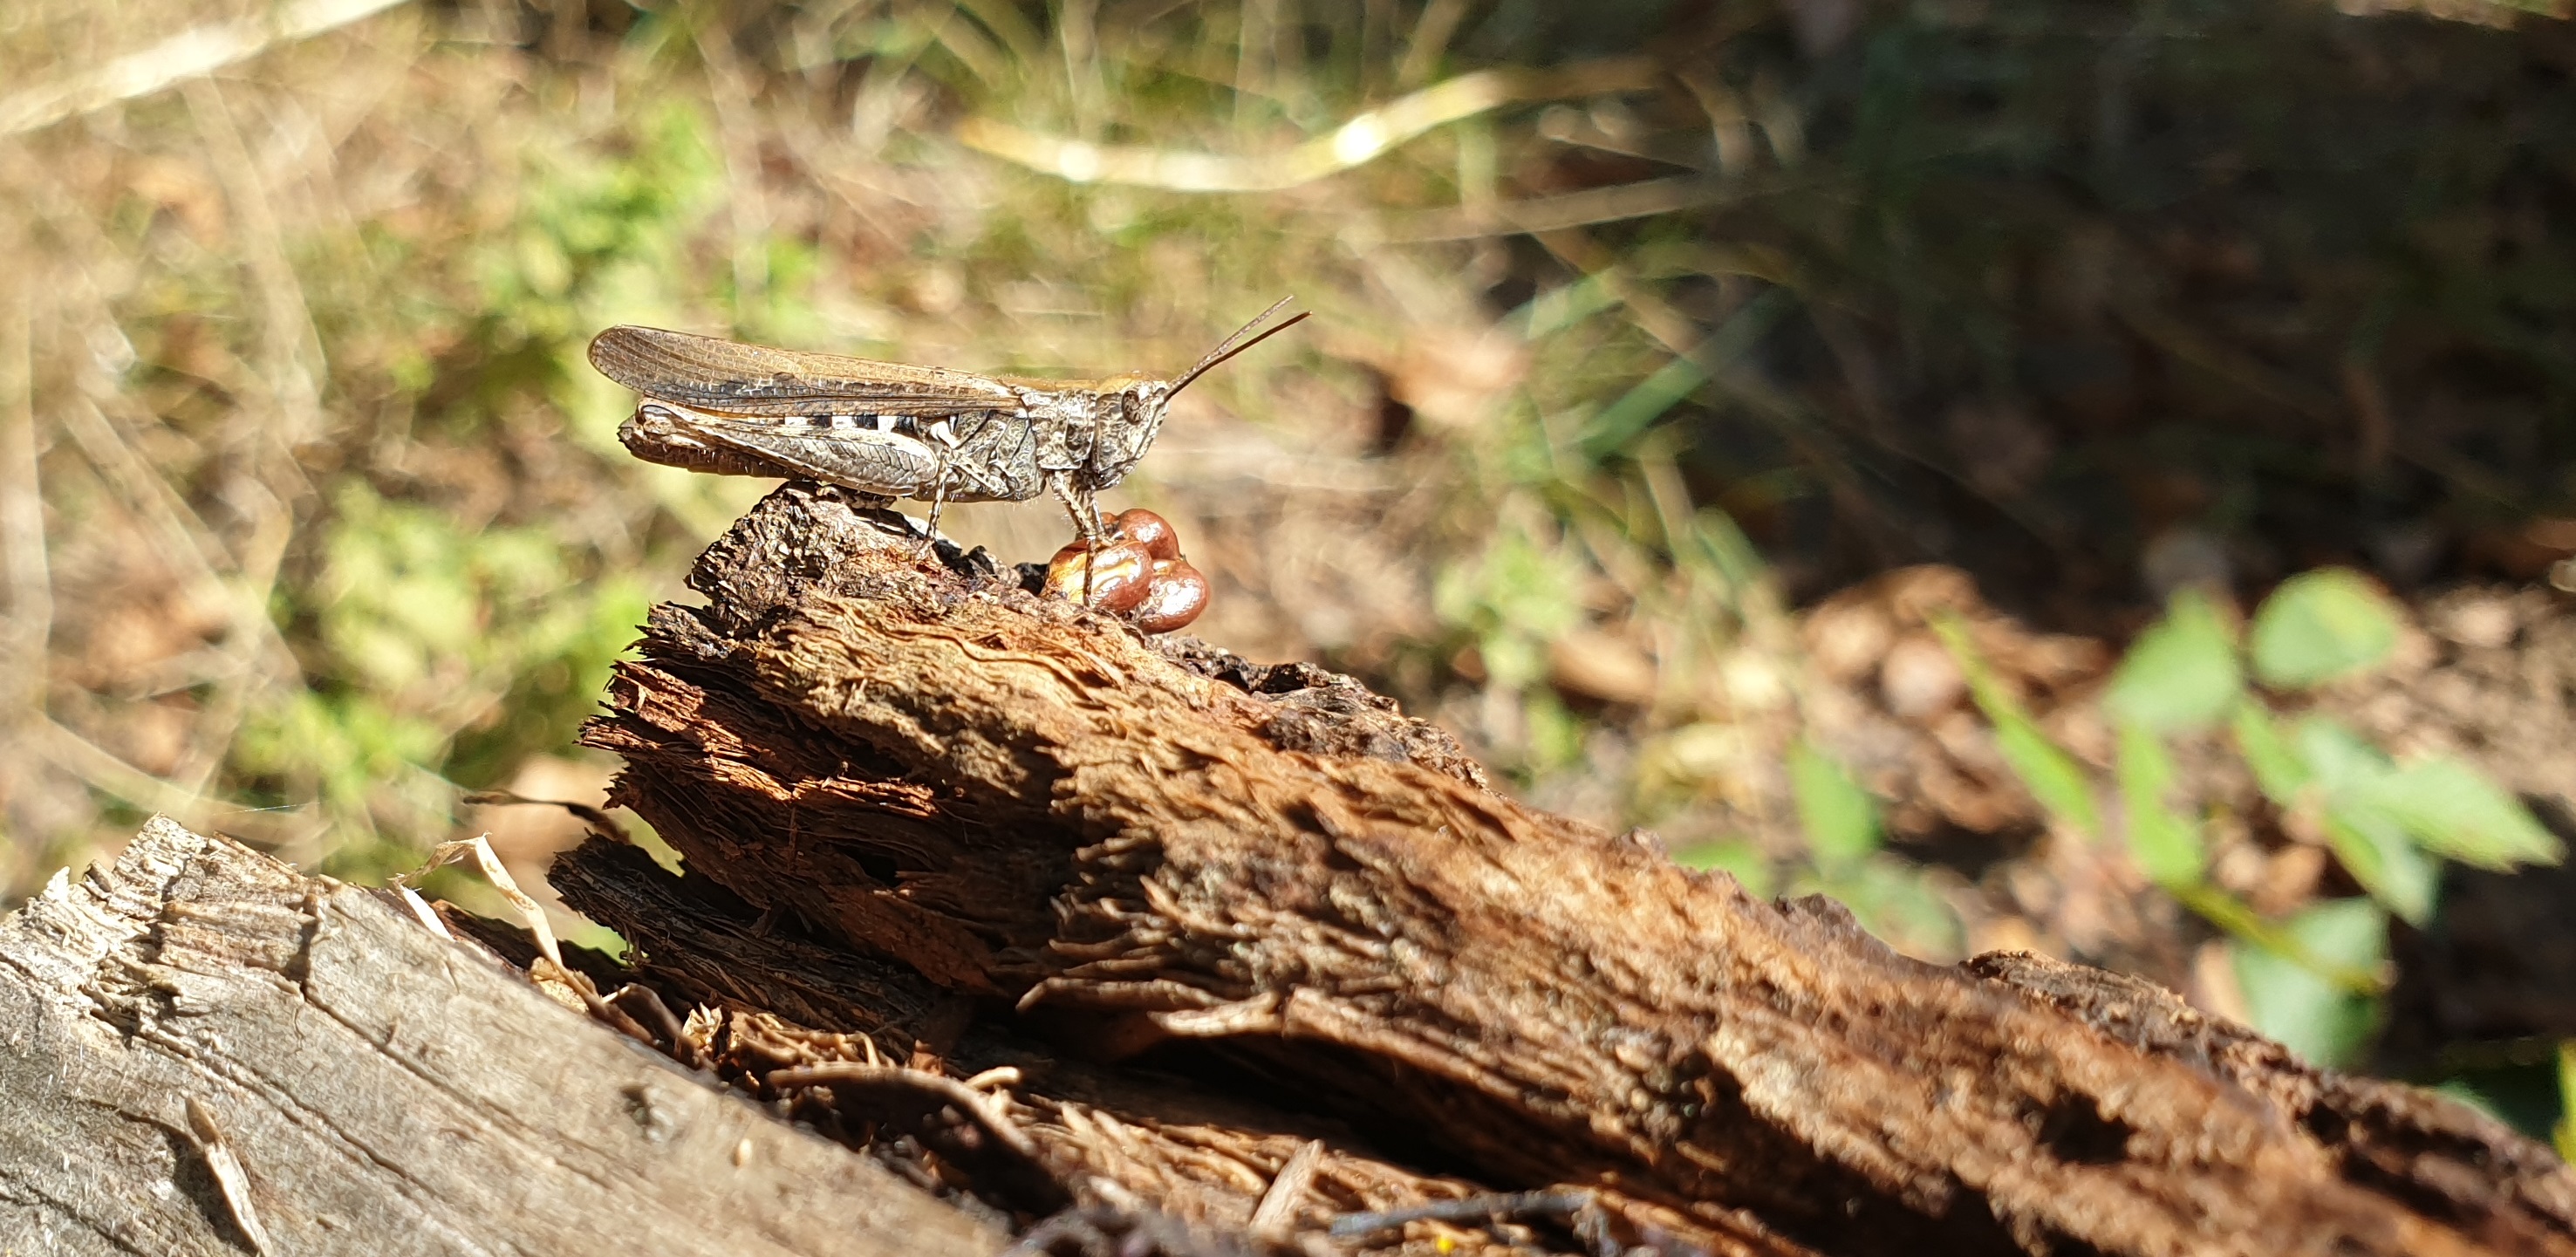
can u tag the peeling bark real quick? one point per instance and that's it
(1125, 846)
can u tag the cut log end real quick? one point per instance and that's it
(211, 1053)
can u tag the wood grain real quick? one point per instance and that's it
(382, 1090)
(1029, 805)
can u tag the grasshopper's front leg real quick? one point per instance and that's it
(1078, 504)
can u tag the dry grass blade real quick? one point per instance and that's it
(198, 50)
(22, 513)
(423, 913)
(1356, 142)
(102, 771)
(563, 980)
(1569, 210)
(1430, 41)
(488, 863)
(607, 825)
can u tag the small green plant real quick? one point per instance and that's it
(1510, 604)
(2311, 980)
(441, 655)
(1887, 893)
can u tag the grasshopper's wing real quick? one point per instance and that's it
(726, 377)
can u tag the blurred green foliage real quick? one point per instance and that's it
(2564, 1136)
(2311, 1015)
(2309, 980)
(2321, 625)
(2053, 776)
(1840, 819)
(1843, 832)
(437, 656)
(1513, 600)
(2181, 674)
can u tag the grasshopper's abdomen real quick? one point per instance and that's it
(657, 434)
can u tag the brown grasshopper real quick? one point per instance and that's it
(888, 429)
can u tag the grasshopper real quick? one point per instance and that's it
(889, 429)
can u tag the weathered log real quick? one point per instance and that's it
(1127, 844)
(1110, 1135)
(206, 1052)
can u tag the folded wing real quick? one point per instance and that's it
(726, 377)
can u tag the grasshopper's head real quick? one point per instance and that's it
(1128, 426)
(1135, 418)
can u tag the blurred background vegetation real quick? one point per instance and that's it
(1874, 444)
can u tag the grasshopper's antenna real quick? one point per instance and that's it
(1238, 342)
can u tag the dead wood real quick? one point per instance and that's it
(1275, 881)
(206, 1052)
(1110, 1135)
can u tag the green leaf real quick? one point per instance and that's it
(2309, 1013)
(2336, 757)
(1892, 899)
(2564, 1134)
(2277, 768)
(2165, 843)
(1840, 818)
(2322, 625)
(1737, 856)
(2050, 774)
(2454, 811)
(2182, 672)
(2370, 841)
(2257, 931)
(2374, 848)
(2384, 819)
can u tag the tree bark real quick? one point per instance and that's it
(1037, 825)
(207, 1053)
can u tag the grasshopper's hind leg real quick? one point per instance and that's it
(945, 438)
